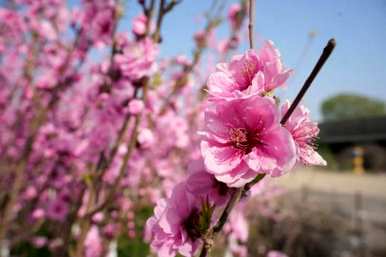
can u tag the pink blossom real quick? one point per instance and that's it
(139, 25)
(138, 59)
(136, 106)
(110, 230)
(234, 15)
(12, 28)
(55, 243)
(38, 214)
(39, 241)
(57, 209)
(250, 73)
(172, 228)
(304, 132)
(98, 217)
(183, 60)
(93, 243)
(102, 25)
(237, 249)
(201, 38)
(30, 192)
(222, 46)
(238, 225)
(145, 138)
(204, 185)
(243, 137)
(273, 253)
(44, 28)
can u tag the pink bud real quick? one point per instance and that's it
(39, 241)
(98, 217)
(139, 25)
(136, 106)
(30, 192)
(38, 214)
(146, 138)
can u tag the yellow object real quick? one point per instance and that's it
(358, 160)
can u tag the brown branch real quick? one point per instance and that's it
(234, 199)
(212, 23)
(162, 11)
(251, 23)
(318, 66)
(109, 198)
(227, 210)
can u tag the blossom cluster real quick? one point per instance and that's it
(243, 137)
(97, 127)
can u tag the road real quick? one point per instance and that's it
(371, 185)
(342, 191)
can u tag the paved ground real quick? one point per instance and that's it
(339, 191)
(336, 182)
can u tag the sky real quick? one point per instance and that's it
(357, 65)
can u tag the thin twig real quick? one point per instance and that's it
(318, 66)
(162, 11)
(212, 23)
(251, 23)
(227, 210)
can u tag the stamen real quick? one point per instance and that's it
(238, 136)
(243, 139)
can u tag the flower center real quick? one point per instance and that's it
(243, 139)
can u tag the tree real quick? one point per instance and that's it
(349, 106)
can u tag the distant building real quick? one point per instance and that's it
(345, 137)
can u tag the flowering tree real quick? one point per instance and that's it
(87, 144)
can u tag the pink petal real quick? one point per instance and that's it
(258, 112)
(278, 144)
(238, 177)
(220, 159)
(219, 83)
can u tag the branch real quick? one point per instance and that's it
(162, 11)
(235, 198)
(212, 23)
(227, 210)
(251, 23)
(318, 66)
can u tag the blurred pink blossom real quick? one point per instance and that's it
(93, 243)
(139, 25)
(136, 106)
(273, 253)
(145, 138)
(138, 59)
(172, 228)
(234, 15)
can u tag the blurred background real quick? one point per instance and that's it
(338, 210)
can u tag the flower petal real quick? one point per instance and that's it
(220, 159)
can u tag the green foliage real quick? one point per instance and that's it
(205, 217)
(349, 106)
(328, 155)
(132, 247)
(136, 247)
(27, 249)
